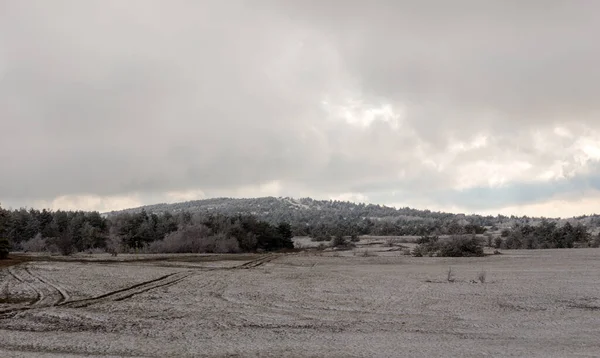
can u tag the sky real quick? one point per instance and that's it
(465, 106)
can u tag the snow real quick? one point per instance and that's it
(535, 303)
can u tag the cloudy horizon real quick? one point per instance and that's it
(466, 106)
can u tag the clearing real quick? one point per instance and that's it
(543, 303)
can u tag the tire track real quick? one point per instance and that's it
(257, 262)
(47, 294)
(125, 293)
(38, 294)
(64, 296)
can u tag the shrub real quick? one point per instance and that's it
(497, 242)
(450, 275)
(224, 245)
(481, 276)
(4, 248)
(595, 241)
(36, 244)
(455, 246)
(114, 245)
(426, 246)
(490, 240)
(460, 246)
(418, 251)
(341, 242)
(338, 241)
(190, 239)
(425, 240)
(62, 244)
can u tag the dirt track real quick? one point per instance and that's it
(534, 303)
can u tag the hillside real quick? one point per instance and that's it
(307, 212)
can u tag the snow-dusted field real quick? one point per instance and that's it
(533, 304)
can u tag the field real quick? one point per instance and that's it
(543, 303)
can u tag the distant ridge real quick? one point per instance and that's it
(313, 212)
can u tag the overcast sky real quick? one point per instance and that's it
(464, 106)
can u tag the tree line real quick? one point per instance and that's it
(546, 235)
(220, 227)
(75, 231)
(317, 218)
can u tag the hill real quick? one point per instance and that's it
(307, 214)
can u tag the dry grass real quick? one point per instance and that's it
(364, 253)
(545, 303)
(450, 275)
(481, 276)
(14, 259)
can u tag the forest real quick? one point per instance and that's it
(268, 224)
(67, 232)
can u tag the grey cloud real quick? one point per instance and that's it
(112, 97)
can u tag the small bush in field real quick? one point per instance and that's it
(450, 275)
(341, 242)
(455, 246)
(460, 246)
(481, 276)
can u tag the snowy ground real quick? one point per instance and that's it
(542, 303)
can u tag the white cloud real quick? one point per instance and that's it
(352, 197)
(89, 203)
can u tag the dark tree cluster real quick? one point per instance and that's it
(454, 246)
(546, 235)
(75, 231)
(65, 231)
(187, 232)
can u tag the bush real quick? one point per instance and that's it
(497, 242)
(341, 242)
(190, 239)
(114, 245)
(63, 244)
(418, 251)
(595, 241)
(37, 244)
(455, 246)
(426, 246)
(224, 245)
(482, 276)
(460, 246)
(4, 248)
